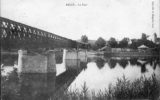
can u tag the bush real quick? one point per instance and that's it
(141, 88)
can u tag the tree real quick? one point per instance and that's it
(112, 42)
(139, 42)
(84, 38)
(134, 44)
(94, 46)
(124, 43)
(100, 42)
(144, 36)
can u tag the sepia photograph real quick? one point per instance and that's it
(80, 49)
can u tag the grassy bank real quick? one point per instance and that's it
(142, 88)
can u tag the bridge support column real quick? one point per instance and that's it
(51, 62)
(36, 63)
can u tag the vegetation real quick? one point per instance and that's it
(84, 39)
(100, 42)
(141, 88)
(124, 43)
(136, 43)
(112, 42)
(144, 36)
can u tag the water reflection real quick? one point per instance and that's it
(100, 62)
(112, 63)
(97, 72)
(124, 62)
(101, 72)
(39, 86)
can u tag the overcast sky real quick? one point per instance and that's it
(100, 18)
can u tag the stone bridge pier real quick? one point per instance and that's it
(36, 63)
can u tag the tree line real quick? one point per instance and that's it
(124, 43)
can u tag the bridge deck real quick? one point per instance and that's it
(15, 35)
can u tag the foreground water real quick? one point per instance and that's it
(101, 72)
(96, 72)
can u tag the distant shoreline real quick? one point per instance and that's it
(112, 54)
(131, 54)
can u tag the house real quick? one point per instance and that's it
(142, 48)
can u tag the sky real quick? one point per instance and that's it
(95, 18)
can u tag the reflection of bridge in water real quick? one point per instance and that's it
(38, 79)
(43, 86)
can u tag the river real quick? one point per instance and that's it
(97, 72)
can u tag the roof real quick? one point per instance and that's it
(142, 47)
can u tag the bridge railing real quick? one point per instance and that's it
(16, 35)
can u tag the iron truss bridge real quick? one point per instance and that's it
(15, 35)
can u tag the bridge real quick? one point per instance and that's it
(15, 35)
(44, 85)
(37, 71)
(18, 36)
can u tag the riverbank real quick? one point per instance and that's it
(97, 53)
(131, 54)
(142, 88)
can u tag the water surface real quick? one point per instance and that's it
(97, 72)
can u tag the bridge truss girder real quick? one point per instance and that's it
(16, 35)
